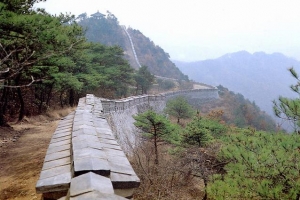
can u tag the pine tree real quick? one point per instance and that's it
(154, 127)
(179, 108)
(262, 166)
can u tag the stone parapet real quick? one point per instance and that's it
(122, 104)
(83, 160)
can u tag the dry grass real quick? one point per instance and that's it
(168, 180)
(22, 154)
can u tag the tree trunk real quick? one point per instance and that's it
(71, 98)
(2, 118)
(61, 100)
(49, 95)
(3, 106)
(155, 148)
(41, 98)
(205, 192)
(22, 104)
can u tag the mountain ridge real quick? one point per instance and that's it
(260, 77)
(106, 30)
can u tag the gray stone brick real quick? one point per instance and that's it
(91, 164)
(90, 182)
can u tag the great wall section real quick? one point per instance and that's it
(86, 157)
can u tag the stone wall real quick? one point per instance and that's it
(84, 161)
(119, 112)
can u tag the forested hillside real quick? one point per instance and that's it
(46, 61)
(106, 29)
(239, 111)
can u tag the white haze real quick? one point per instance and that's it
(192, 30)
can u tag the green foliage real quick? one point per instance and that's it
(154, 126)
(50, 55)
(179, 108)
(29, 40)
(105, 30)
(262, 166)
(198, 131)
(143, 79)
(289, 109)
(165, 84)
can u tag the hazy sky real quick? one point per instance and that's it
(191, 30)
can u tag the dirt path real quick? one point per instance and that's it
(22, 153)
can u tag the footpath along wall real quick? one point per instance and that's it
(85, 159)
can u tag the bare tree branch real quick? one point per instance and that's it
(22, 86)
(5, 71)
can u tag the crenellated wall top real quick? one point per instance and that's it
(110, 105)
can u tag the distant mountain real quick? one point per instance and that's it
(106, 29)
(260, 77)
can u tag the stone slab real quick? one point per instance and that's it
(76, 127)
(90, 182)
(85, 138)
(88, 152)
(104, 130)
(61, 134)
(55, 171)
(118, 160)
(54, 149)
(123, 181)
(84, 120)
(60, 182)
(82, 112)
(110, 146)
(84, 131)
(91, 164)
(63, 130)
(65, 124)
(97, 195)
(100, 119)
(53, 140)
(56, 163)
(113, 152)
(108, 141)
(81, 117)
(123, 168)
(57, 155)
(60, 143)
(106, 136)
(81, 145)
(126, 193)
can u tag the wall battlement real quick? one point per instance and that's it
(129, 102)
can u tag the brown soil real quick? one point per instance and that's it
(22, 151)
